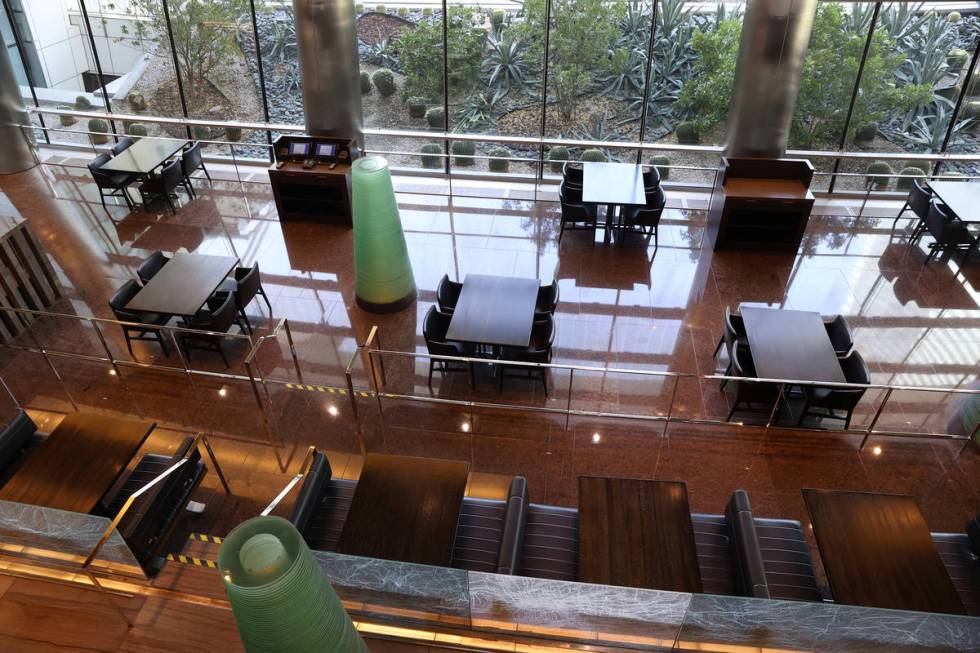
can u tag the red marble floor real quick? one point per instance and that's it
(626, 305)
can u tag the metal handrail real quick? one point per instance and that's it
(304, 468)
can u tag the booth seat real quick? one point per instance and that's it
(17, 439)
(961, 555)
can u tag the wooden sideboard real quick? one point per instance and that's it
(321, 193)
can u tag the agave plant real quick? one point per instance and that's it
(627, 72)
(282, 47)
(477, 113)
(722, 13)
(381, 54)
(635, 26)
(859, 20)
(508, 66)
(671, 16)
(597, 129)
(901, 19)
(928, 131)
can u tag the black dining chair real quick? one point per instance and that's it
(547, 300)
(151, 265)
(163, 186)
(573, 175)
(538, 351)
(646, 219)
(192, 160)
(831, 400)
(917, 201)
(734, 331)
(219, 316)
(117, 303)
(111, 184)
(122, 145)
(245, 286)
(750, 393)
(447, 294)
(949, 233)
(574, 214)
(434, 331)
(839, 332)
(651, 179)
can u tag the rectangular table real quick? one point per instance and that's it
(183, 285)
(636, 533)
(78, 462)
(612, 184)
(145, 155)
(405, 509)
(877, 552)
(494, 311)
(963, 198)
(790, 345)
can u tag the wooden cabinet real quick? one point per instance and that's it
(317, 193)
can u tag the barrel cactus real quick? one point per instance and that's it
(661, 163)
(436, 117)
(463, 150)
(956, 59)
(594, 156)
(233, 134)
(874, 180)
(866, 133)
(430, 158)
(499, 159)
(136, 129)
(82, 103)
(924, 166)
(402, 12)
(557, 156)
(687, 133)
(953, 17)
(904, 182)
(65, 120)
(381, 9)
(427, 12)
(365, 82)
(137, 102)
(416, 107)
(384, 81)
(100, 129)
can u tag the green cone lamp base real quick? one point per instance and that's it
(390, 307)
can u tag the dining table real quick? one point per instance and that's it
(790, 344)
(494, 311)
(183, 285)
(144, 156)
(962, 198)
(614, 185)
(78, 462)
(405, 509)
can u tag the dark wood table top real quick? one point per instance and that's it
(636, 533)
(78, 462)
(790, 345)
(494, 311)
(183, 285)
(613, 183)
(145, 155)
(877, 552)
(962, 197)
(405, 509)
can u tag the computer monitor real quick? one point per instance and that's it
(326, 150)
(299, 150)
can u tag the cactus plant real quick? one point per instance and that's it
(874, 181)
(953, 17)
(66, 121)
(924, 166)
(866, 133)
(949, 92)
(970, 110)
(436, 117)
(427, 12)
(381, 9)
(687, 133)
(429, 158)
(359, 8)
(201, 133)
(233, 134)
(594, 155)
(558, 155)
(136, 129)
(956, 59)
(905, 181)
(365, 82)
(137, 102)
(402, 12)
(496, 19)
(384, 81)
(660, 162)
(463, 150)
(416, 107)
(82, 103)
(498, 159)
(101, 130)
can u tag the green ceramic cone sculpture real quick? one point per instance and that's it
(281, 600)
(383, 273)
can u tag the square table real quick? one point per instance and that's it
(878, 552)
(183, 285)
(495, 311)
(791, 345)
(144, 156)
(963, 198)
(613, 184)
(405, 509)
(636, 533)
(78, 462)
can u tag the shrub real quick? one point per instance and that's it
(201, 133)
(66, 121)
(136, 129)
(497, 19)
(498, 159)
(365, 82)
(416, 107)
(463, 150)
(82, 103)
(593, 155)
(381, 9)
(875, 182)
(558, 155)
(953, 16)
(956, 59)
(905, 183)
(428, 159)
(427, 11)
(233, 134)
(436, 117)
(866, 133)
(687, 133)
(384, 81)
(101, 128)
(359, 8)
(924, 166)
(137, 102)
(659, 162)
(402, 12)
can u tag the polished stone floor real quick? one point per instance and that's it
(627, 305)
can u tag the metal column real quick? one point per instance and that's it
(16, 132)
(326, 32)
